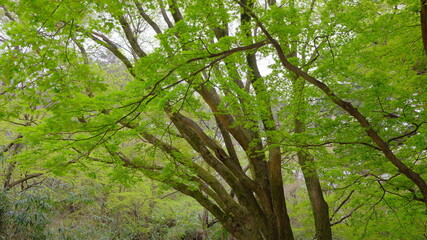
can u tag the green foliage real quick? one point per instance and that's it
(87, 105)
(25, 215)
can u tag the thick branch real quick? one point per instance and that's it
(164, 14)
(340, 143)
(239, 183)
(110, 45)
(233, 50)
(200, 141)
(147, 18)
(176, 14)
(221, 196)
(220, 154)
(228, 142)
(82, 51)
(211, 97)
(224, 218)
(7, 13)
(131, 38)
(26, 178)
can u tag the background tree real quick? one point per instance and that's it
(217, 94)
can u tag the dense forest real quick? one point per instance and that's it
(213, 119)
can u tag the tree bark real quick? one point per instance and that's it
(319, 206)
(279, 221)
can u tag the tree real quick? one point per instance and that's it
(217, 93)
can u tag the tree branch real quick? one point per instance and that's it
(346, 216)
(7, 13)
(131, 38)
(146, 17)
(164, 14)
(233, 50)
(110, 45)
(176, 14)
(26, 178)
(340, 143)
(408, 134)
(341, 204)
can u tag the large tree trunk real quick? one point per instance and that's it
(318, 204)
(256, 209)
